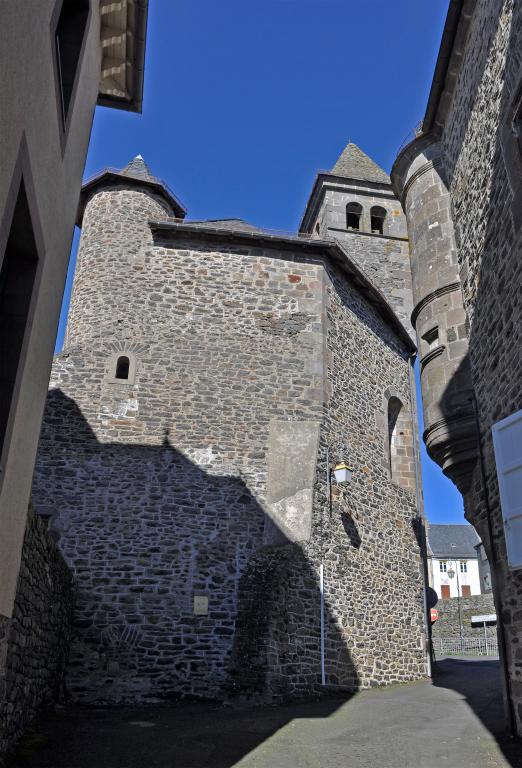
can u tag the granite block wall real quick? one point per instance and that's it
(475, 148)
(34, 641)
(478, 140)
(158, 486)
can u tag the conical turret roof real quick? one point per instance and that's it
(137, 174)
(355, 164)
(139, 169)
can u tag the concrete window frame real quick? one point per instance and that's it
(511, 143)
(22, 176)
(64, 121)
(113, 366)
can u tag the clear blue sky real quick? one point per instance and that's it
(246, 99)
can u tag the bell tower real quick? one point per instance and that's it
(355, 204)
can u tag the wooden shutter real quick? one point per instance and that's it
(507, 442)
(445, 591)
(466, 590)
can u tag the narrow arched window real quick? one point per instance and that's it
(122, 367)
(400, 447)
(377, 219)
(353, 216)
(394, 410)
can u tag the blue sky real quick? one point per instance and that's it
(246, 99)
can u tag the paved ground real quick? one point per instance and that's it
(454, 722)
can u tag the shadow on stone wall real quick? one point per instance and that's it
(145, 531)
(490, 248)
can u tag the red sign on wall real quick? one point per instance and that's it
(434, 615)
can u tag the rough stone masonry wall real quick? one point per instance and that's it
(489, 242)
(366, 537)
(159, 487)
(384, 258)
(447, 625)
(34, 642)
(372, 562)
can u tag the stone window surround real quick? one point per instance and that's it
(383, 426)
(113, 362)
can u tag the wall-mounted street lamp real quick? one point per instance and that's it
(343, 473)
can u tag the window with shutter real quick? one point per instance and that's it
(507, 442)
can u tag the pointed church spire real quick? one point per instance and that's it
(139, 169)
(355, 164)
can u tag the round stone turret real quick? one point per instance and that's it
(439, 317)
(114, 214)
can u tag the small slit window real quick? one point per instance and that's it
(377, 219)
(68, 40)
(122, 368)
(353, 216)
(431, 338)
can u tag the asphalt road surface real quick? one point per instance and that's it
(456, 721)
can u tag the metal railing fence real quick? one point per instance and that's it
(468, 646)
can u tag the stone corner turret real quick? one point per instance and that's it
(438, 316)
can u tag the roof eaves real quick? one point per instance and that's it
(447, 69)
(122, 74)
(113, 175)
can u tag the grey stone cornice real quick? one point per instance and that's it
(431, 355)
(428, 166)
(331, 249)
(431, 297)
(367, 234)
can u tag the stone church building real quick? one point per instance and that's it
(213, 377)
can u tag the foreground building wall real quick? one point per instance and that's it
(58, 59)
(472, 130)
(191, 498)
(36, 639)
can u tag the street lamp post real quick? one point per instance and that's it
(451, 574)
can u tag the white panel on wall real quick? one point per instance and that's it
(507, 442)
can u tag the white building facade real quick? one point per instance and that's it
(453, 561)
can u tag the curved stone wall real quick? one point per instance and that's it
(439, 317)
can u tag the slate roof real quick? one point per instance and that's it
(139, 169)
(236, 225)
(453, 540)
(355, 164)
(137, 173)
